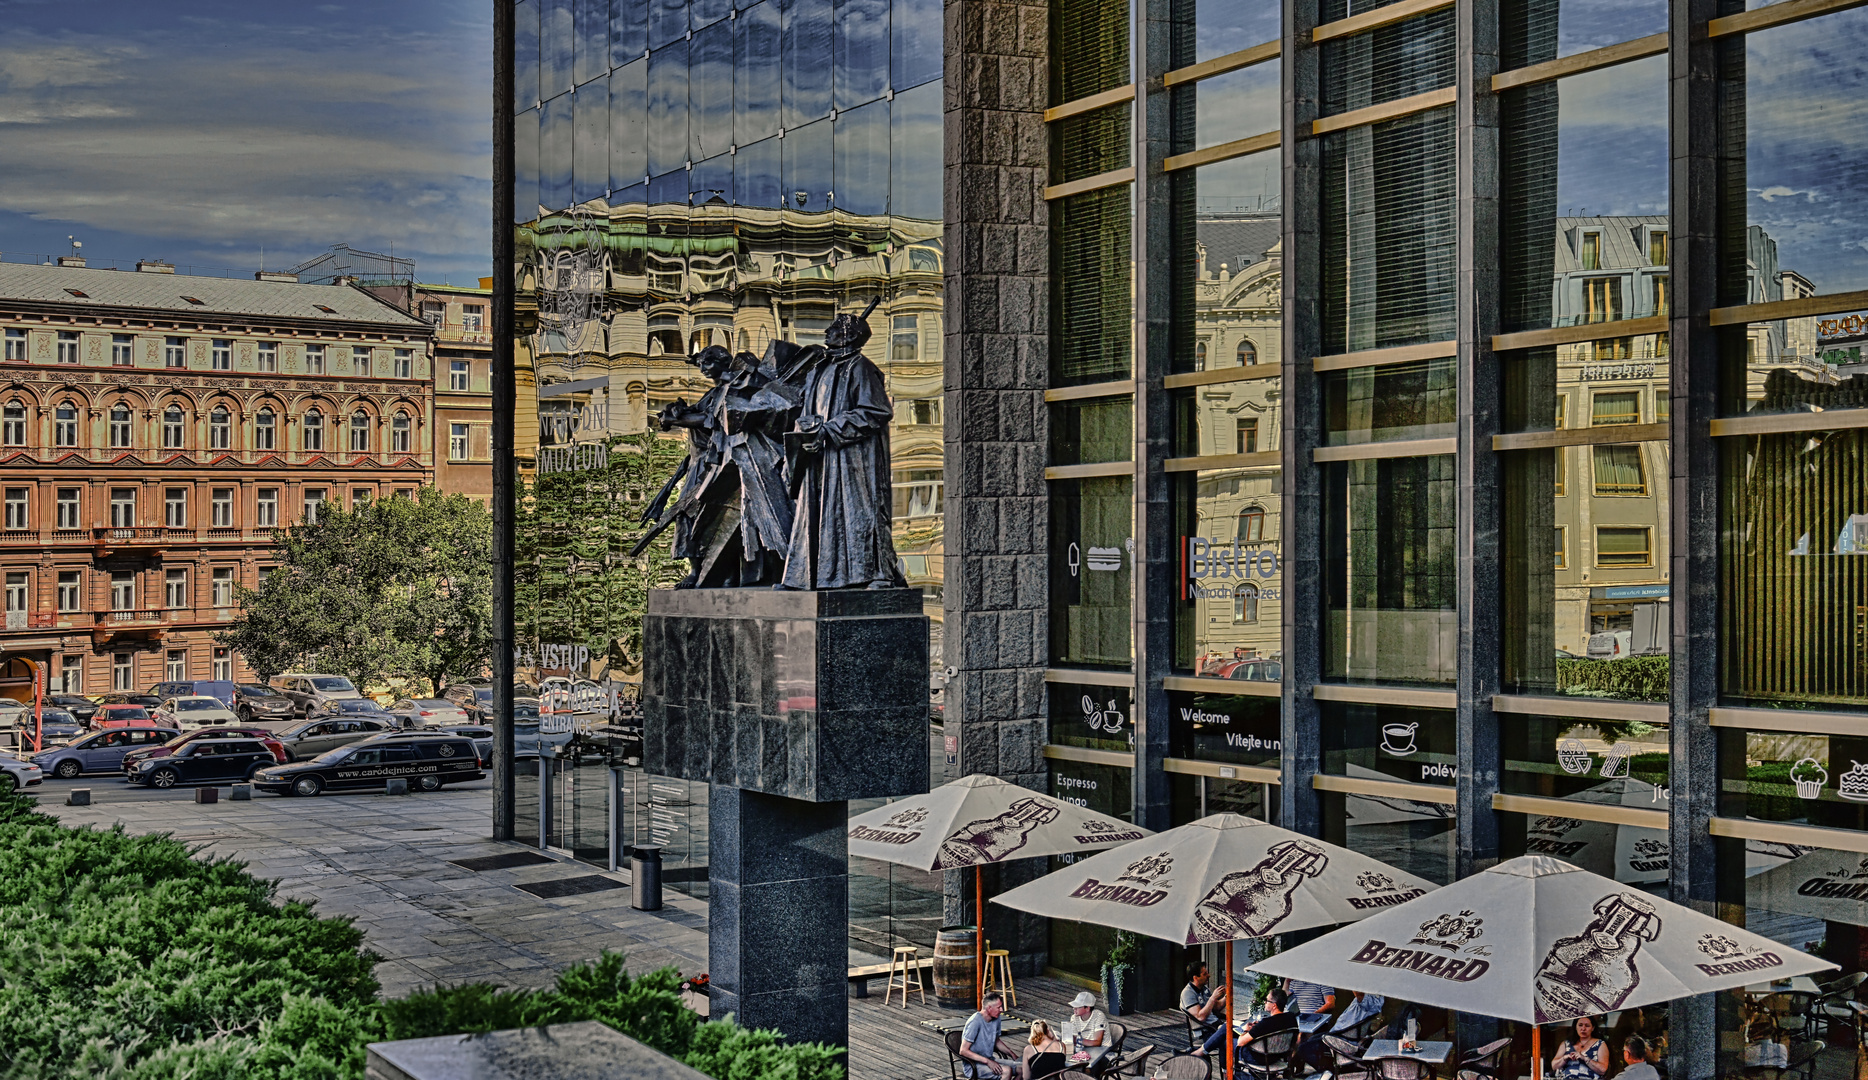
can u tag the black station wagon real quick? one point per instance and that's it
(427, 763)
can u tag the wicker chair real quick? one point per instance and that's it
(1346, 1059)
(1185, 1067)
(955, 1039)
(1405, 1069)
(1486, 1061)
(1269, 1055)
(1129, 1063)
(1832, 1009)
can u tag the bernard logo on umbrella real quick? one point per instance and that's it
(1249, 903)
(1149, 877)
(1838, 884)
(993, 839)
(1728, 957)
(1380, 891)
(1449, 933)
(902, 828)
(1594, 971)
(1098, 831)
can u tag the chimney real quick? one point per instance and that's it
(344, 279)
(71, 260)
(151, 266)
(275, 275)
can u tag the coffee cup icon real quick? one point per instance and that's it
(1398, 739)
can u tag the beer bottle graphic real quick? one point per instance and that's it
(1594, 971)
(1249, 903)
(992, 839)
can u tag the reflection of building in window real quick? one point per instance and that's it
(1661, 282)
(1247, 432)
(665, 342)
(1623, 546)
(1616, 407)
(1602, 299)
(1618, 470)
(1657, 248)
(1620, 348)
(1252, 525)
(1563, 462)
(918, 493)
(1199, 356)
(1562, 553)
(906, 342)
(1245, 604)
(1591, 253)
(917, 411)
(1248, 354)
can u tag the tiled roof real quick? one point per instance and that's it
(218, 296)
(1237, 242)
(1621, 246)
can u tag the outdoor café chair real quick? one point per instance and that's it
(1185, 1067)
(1269, 1056)
(1131, 1063)
(1832, 1009)
(1116, 1034)
(1486, 1061)
(1347, 1059)
(1405, 1069)
(955, 1063)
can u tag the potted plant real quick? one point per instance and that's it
(1117, 967)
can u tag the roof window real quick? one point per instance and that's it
(326, 310)
(79, 293)
(192, 300)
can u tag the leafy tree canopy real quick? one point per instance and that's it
(388, 587)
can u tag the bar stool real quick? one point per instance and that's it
(903, 961)
(999, 974)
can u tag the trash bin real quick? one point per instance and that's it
(645, 870)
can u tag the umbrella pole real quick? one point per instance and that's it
(1537, 1052)
(1231, 1047)
(979, 933)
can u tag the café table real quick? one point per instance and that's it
(1434, 1053)
(1092, 1062)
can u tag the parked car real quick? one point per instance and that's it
(253, 701)
(124, 697)
(352, 707)
(482, 738)
(1610, 645)
(214, 688)
(526, 736)
(320, 736)
(474, 698)
(427, 712)
(16, 773)
(266, 738)
(110, 716)
(83, 708)
(193, 712)
(310, 691)
(203, 761)
(11, 708)
(54, 725)
(100, 751)
(428, 761)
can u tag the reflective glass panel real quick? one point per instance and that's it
(1225, 727)
(1612, 382)
(1092, 330)
(1533, 31)
(1229, 609)
(1090, 143)
(1231, 282)
(555, 154)
(891, 905)
(756, 178)
(859, 44)
(1396, 401)
(1389, 571)
(525, 68)
(1089, 48)
(710, 91)
(1808, 779)
(1631, 854)
(629, 31)
(1227, 418)
(1418, 837)
(555, 51)
(914, 42)
(1794, 556)
(1584, 198)
(591, 154)
(668, 21)
(862, 158)
(1610, 762)
(1222, 28)
(1079, 948)
(1390, 236)
(1805, 178)
(809, 180)
(804, 48)
(668, 108)
(755, 73)
(1389, 63)
(525, 193)
(629, 129)
(1083, 432)
(915, 162)
(1811, 364)
(1092, 562)
(1238, 104)
(1091, 716)
(1390, 742)
(591, 44)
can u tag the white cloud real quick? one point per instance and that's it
(1772, 194)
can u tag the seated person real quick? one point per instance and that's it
(1312, 1052)
(1308, 998)
(1205, 1006)
(979, 1043)
(1582, 1056)
(1085, 1020)
(1045, 1054)
(1280, 1018)
(1634, 1053)
(1360, 1008)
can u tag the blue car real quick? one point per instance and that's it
(56, 725)
(101, 751)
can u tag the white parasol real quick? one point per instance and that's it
(982, 819)
(1542, 942)
(1220, 879)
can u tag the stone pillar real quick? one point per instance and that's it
(996, 638)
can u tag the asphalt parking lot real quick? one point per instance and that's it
(388, 862)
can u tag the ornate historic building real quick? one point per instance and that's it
(156, 428)
(463, 421)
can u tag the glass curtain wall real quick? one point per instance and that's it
(693, 173)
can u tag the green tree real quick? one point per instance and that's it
(388, 587)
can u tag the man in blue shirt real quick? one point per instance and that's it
(979, 1043)
(1308, 998)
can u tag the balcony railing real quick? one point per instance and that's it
(131, 534)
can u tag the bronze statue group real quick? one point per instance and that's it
(786, 483)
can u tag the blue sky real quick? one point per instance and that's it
(201, 131)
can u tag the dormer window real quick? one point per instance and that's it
(1591, 253)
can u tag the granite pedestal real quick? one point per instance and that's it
(788, 704)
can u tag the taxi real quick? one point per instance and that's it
(427, 762)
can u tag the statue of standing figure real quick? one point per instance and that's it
(787, 480)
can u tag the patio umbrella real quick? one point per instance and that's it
(1540, 941)
(1217, 880)
(977, 820)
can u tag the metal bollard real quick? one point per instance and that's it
(207, 794)
(645, 871)
(241, 793)
(78, 796)
(396, 785)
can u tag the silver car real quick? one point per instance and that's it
(322, 735)
(309, 691)
(428, 712)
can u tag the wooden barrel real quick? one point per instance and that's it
(953, 967)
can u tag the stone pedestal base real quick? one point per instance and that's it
(777, 913)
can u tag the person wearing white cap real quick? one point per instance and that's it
(1086, 1021)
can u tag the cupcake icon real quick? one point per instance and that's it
(1573, 756)
(1809, 776)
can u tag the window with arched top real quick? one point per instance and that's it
(265, 430)
(399, 427)
(1248, 354)
(1199, 356)
(314, 430)
(174, 426)
(65, 424)
(220, 429)
(1252, 525)
(359, 432)
(13, 424)
(1245, 603)
(120, 434)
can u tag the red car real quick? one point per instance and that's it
(110, 716)
(264, 736)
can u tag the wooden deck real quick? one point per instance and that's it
(893, 1043)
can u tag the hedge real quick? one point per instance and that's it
(1631, 678)
(124, 957)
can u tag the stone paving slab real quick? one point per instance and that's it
(385, 862)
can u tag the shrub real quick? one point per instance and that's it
(1631, 678)
(125, 958)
